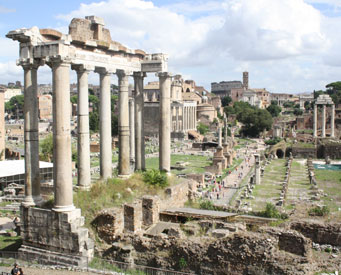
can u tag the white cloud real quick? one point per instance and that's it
(268, 29)
(6, 10)
(286, 45)
(141, 24)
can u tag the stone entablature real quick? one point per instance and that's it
(82, 47)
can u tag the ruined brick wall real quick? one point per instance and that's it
(301, 152)
(320, 233)
(332, 150)
(108, 223)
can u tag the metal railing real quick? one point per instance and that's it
(116, 266)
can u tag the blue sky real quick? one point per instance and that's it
(286, 45)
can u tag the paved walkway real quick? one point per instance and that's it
(233, 181)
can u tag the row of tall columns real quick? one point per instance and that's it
(62, 168)
(189, 118)
(332, 122)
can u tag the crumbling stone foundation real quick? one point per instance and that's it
(49, 236)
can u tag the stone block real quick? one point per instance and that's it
(132, 217)
(150, 210)
(220, 233)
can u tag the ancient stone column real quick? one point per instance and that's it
(105, 125)
(219, 137)
(324, 121)
(177, 119)
(123, 124)
(164, 127)
(132, 130)
(225, 131)
(257, 169)
(62, 168)
(315, 120)
(332, 122)
(139, 121)
(83, 142)
(31, 133)
(195, 118)
(2, 125)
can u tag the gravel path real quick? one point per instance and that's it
(36, 271)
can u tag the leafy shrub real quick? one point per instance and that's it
(202, 128)
(273, 141)
(155, 177)
(319, 211)
(272, 212)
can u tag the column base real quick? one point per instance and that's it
(82, 187)
(67, 208)
(28, 201)
(124, 176)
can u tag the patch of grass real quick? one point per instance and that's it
(10, 243)
(112, 193)
(102, 264)
(319, 211)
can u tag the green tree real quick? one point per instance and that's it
(288, 104)
(298, 112)
(334, 90)
(74, 99)
(202, 128)
(15, 106)
(308, 105)
(255, 121)
(226, 100)
(94, 121)
(274, 110)
(46, 148)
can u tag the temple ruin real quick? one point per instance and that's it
(325, 101)
(87, 47)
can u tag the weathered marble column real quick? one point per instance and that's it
(315, 120)
(132, 130)
(324, 121)
(62, 168)
(123, 124)
(195, 118)
(31, 134)
(225, 130)
(139, 121)
(2, 124)
(257, 169)
(219, 137)
(332, 122)
(177, 119)
(83, 142)
(164, 127)
(105, 124)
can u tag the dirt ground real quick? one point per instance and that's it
(36, 271)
